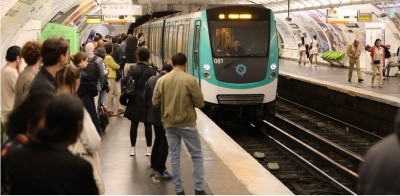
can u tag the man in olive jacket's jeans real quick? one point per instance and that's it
(178, 93)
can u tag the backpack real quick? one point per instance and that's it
(93, 70)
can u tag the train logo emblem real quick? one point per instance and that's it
(241, 69)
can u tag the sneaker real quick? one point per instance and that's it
(360, 80)
(196, 192)
(180, 193)
(148, 151)
(133, 152)
(165, 175)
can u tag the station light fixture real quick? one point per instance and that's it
(233, 16)
(221, 16)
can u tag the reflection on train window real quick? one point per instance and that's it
(253, 36)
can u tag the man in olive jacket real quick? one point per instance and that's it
(178, 93)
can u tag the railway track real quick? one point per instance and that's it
(316, 154)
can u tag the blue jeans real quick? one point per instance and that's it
(191, 138)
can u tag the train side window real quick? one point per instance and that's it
(179, 43)
(166, 33)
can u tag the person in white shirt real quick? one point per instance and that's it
(302, 51)
(314, 50)
(9, 76)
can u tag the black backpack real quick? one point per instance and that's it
(93, 70)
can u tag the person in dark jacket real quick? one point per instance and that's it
(380, 172)
(159, 153)
(55, 54)
(130, 52)
(136, 109)
(48, 167)
(87, 89)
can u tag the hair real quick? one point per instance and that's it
(78, 58)
(108, 37)
(167, 65)
(179, 59)
(302, 40)
(124, 37)
(12, 53)
(114, 39)
(100, 52)
(100, 36)
(96, 38)
(31, 52)
(315, 36)
(376, 41)
(143, 54)
(108, 48)
(52, 49)
(26, 116)
(64, 118)
(67, 76)
(236, 40)
(140, 35)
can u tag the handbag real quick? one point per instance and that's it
(128, 91)
(377, 62)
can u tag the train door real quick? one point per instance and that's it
(196, 52)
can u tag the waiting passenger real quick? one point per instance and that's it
(55, 54)
(87, 89)
(68, 80)
(378, 61)
(302, 51)
(142, 41)
(9, 76)
(31, 54)
(115, 88)
(237, 50)
(136, 109)
(25, 121)
(314, 50)
(354, 52)
(48, 167)
(130, 53)
(159, 153)
(105, 87)
(379, 174)
(178, 93)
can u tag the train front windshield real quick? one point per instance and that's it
(239, 38)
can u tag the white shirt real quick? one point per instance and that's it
(9, 76)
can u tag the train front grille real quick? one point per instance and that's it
(242, 99)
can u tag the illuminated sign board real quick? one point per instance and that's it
(365, 17)
(341, 16)
(94, 19)
(118, 19)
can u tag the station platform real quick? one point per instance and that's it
(228, 169)
(335, 78)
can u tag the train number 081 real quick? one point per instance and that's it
(218, 61)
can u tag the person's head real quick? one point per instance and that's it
(167, 65)
(140, 35)
(89, 47)
(236, 43)
(315, 37)
(28, 117)
(100, 52)
(108, 48)
(108, 38)
(31, 52)
(64, 120)
(100, 43)
(143, 54)
(377, 42)
(14, 54)
(68, 79)
(55, 51)
(99, 35)
(96, 38)
(80, 59)
(302, 40)
(124, 37)
(179, 59)
(356, 42)
(115, 40)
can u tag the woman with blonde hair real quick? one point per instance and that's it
(68, 80)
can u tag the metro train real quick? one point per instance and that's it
(247, 79)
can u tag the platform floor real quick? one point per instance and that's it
(337, 76)
(228, 169)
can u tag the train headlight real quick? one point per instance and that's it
(272, 74)
(207, 75)
(273, 66)
(207, 67)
